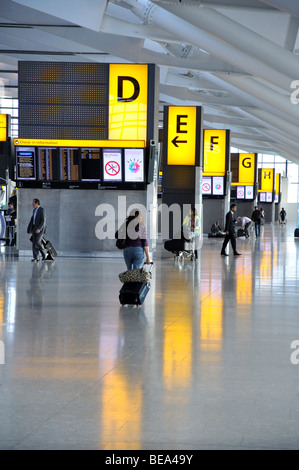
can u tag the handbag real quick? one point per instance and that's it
(121, 242)
(136, 275)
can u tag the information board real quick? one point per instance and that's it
(134, 165)
(206, 185)
(112, 165)
(26, 164)
(69, 165)
(218, 185)
(91, 164)
(48, 168)
(249, 192)
(262, 197)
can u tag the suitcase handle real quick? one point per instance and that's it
(144, 264)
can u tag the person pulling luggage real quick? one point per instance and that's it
(37, 227)
(136, 248)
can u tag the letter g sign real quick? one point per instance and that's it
(246, 164)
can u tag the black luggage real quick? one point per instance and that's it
(296, 233)
(175, 245)
(49, 248)
(241, 233)
(134, 293)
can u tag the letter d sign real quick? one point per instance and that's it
(128, 101)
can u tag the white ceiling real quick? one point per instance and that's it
(237, 59)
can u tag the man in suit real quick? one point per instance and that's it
(229, 231)
(37, 227)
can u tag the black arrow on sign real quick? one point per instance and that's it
(175, 141)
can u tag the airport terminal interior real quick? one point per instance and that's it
(207, 362)
(107, 104)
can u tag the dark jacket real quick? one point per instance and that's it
(256, 216)
(229, 222)
(40, 221)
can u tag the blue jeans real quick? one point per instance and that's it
(257, 229)
(134, 257)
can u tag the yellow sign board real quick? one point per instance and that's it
(80, 143)
(181, 143)
(3, 127)
(128, 101)
(277, 183)
(214, 154)
(3, 134)
(267, 180)
(247, 169)
(3, 120)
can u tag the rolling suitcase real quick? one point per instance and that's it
(296, 233)
(133, 293)
(51, 252)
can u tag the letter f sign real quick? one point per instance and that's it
(214, 141)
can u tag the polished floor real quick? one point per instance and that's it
(205, 363)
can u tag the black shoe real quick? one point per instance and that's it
(237, 254)
(35, 260)
(223, 254)
(44, 257)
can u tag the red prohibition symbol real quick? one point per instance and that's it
(112, 168)
(206, 187)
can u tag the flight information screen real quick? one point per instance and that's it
(91, 164)
(48, 168)
(69, 165)
(25, 163)
(81, 168)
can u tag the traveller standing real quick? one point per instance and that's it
(192, 225)
(256, 217)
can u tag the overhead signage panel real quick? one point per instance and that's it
(79, 143)
(215, 152)
(247, 169)
(181, 143)
(128, 101)
(267, 178)
(3, 127)
(277, 183)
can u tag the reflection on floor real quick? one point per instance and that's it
(205, 363)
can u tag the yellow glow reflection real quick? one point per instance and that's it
(244, 288)
(177, 350)
(211, 323)
(121, 412)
